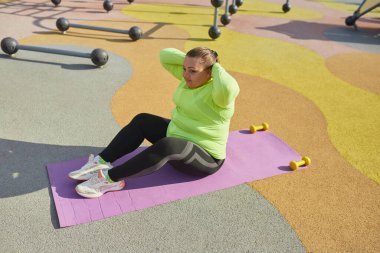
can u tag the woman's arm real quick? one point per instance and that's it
(172, 60)
(225, 88)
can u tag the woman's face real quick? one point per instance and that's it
(195, 72)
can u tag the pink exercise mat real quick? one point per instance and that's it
(250, 157)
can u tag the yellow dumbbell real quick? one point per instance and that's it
(305, 161)
(253, 129)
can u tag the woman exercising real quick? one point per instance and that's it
(192, 141)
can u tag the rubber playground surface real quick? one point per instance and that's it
(312, 78)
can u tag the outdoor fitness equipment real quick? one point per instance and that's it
(214, 31)
(232, 8)
(10, 46)
(225, 19)
(56, 2)
(286, 6)
(134, 33)
(368, 4)
(108, 5)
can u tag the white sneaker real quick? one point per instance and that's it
(97, 186)
(89, 169)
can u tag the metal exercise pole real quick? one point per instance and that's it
(226, 8)
(105, 29)
(54, 51)
(216, 13)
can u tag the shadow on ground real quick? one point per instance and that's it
(23, 164)
(303, 30)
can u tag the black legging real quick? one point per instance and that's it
(181, 154)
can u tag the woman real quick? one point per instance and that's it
(192, 141)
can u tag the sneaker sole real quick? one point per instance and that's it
(96, 195)
(81, 178)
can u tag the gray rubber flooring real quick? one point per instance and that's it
(364, 39)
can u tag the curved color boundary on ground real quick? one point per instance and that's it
(313, 85)
(284, 64)
(332, 207)
(122, 45)
(363, 74)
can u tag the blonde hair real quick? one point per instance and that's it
(208, 56)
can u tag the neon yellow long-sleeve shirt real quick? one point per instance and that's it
(201, 115)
